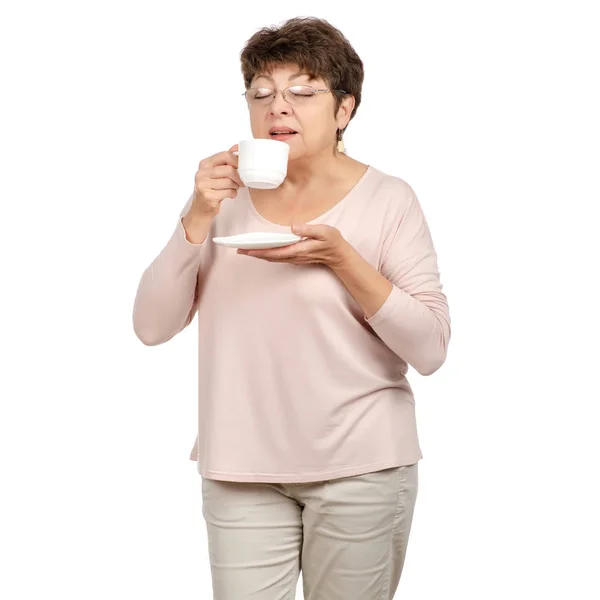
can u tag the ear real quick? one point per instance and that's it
(345, 111)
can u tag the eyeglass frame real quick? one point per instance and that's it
(283, 91)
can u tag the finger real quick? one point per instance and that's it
(221, 158)
(236, 148)
(293, 260)
(228, 172)
(301, 248)
(264, 254)
(219, 195)
(317, 232)
(266, 257)
(222, 183)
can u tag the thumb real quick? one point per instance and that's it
(235, 148)
(317, 232)
(301, 229)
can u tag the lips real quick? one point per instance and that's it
(280, 130)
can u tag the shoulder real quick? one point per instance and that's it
(391, 193)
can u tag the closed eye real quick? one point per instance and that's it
(263, 93)
(302, 90)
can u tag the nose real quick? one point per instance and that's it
(279, 105)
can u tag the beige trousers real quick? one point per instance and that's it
(347, 536)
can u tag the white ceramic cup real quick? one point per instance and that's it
(262, 163)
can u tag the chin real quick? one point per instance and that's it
(296, 150)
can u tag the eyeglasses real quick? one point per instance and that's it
(296, 94)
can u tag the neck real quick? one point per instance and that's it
(312, 169)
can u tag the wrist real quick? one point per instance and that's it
(345, 257)
(196, 227)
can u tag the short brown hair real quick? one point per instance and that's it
(316, 46)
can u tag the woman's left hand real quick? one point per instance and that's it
(323, 245)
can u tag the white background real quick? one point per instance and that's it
(489, 110)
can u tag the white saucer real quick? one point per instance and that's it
(257, 240)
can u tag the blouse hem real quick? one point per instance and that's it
(309, 477)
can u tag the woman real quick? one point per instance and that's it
(307, 441)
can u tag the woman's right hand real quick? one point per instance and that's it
(216, 179)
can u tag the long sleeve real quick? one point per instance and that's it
(414, 320)
(168, 292)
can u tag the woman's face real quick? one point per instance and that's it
(312, 117)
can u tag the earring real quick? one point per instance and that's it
(340, 144)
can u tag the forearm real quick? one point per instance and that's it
(416, 328)
(166, 297)
(366, 284)
(196, 227)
